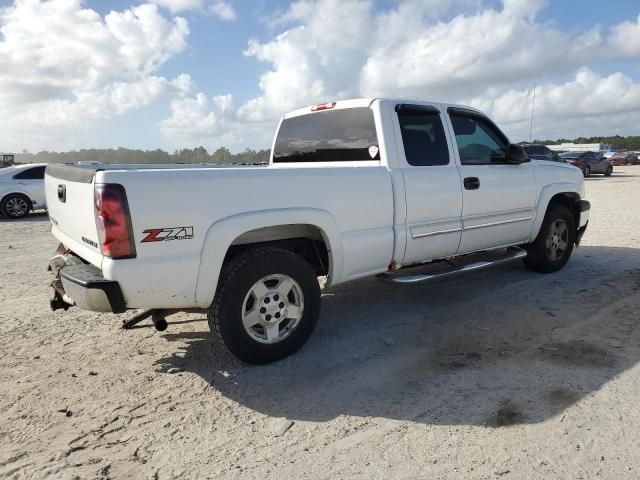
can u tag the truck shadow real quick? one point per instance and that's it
(598, 176)
(496, 348)
(38, 216)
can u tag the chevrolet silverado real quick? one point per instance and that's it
(353, 188)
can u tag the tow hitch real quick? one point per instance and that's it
(158, 317)
(58, 298)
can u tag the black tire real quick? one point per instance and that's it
(609, 171)
(538, 256)
(237, 278)
(587, 171)
(8, 212)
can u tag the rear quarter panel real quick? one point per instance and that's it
(217, 203)
(8, 185)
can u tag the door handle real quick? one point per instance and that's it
(472, 183)
(62, 193)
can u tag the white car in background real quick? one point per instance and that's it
(21, 189)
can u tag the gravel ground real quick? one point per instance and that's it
(498, 374)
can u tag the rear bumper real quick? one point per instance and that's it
(84, 286)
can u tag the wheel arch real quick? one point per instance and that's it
(312, 233)
(558, 193)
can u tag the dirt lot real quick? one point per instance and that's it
(503, 373)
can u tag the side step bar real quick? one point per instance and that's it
(512, 253)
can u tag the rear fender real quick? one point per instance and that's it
(222, 234)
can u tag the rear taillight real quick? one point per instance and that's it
(113, 222)
(576, 162)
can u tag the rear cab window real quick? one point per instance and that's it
(423, 137)
(342, 135)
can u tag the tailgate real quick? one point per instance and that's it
(70, 200)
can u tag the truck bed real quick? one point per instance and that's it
(355, 204)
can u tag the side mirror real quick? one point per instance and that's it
(516, 154)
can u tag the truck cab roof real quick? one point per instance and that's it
(366, 102)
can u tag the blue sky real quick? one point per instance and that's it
(216, 63)
(235, 99)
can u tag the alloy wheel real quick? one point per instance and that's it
(272, 308)
(557, 239)
(17, 207)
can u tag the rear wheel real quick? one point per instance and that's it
(587, 171)
(552, 248)
(15, 206)
(266, 306)
(609, 171)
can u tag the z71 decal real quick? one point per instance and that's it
(170, 233)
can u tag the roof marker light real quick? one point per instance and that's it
(323, 106)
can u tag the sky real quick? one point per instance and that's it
(176, 74)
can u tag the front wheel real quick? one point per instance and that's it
(552, 248)
(609, 171)
(266, 306)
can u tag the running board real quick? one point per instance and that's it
(511, 253)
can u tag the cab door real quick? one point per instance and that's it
(498, 197)
(433, 190)
(600, 161)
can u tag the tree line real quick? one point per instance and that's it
(617, 142)
(224, 156)
(125, 155)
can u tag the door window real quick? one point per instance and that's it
(479, 141)
(423, 138)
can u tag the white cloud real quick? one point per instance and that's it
(191, 119)
(468, 54)
(179, 5)
(219, 8)
(223, 10)
(183, 84)
(63, 66)
(315, 60)
(491, 56)
(626, 38)
(212, 122)
(589, 96)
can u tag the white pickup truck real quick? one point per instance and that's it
(354, 188)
